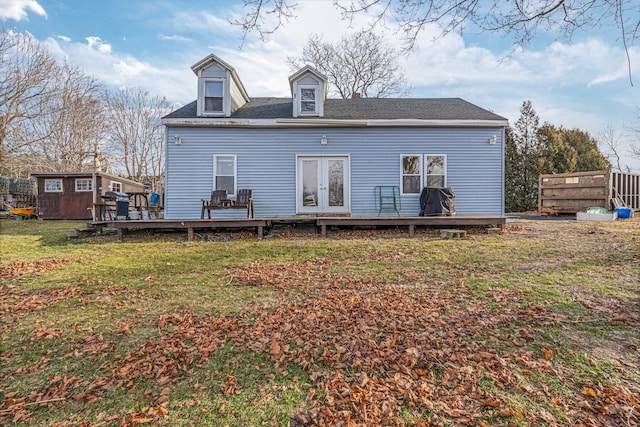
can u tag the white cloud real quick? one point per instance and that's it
(18, 9)
(97, 44)
(118, 69)
(64, 38)
(174, 37)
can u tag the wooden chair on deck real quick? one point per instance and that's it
(244, 199)
(217, 201)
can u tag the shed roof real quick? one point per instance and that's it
(359, 109)
(83, 174)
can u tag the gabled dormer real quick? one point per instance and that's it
(308, 90)
(220, 91)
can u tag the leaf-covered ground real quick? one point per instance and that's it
(538, 326)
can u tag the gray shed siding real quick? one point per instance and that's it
(266, 163)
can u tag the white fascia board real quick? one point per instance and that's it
(439, 123)
(296, 123)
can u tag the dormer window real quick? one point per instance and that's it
(308, 89)
(220, 91)
(213, 96)
(308, 101)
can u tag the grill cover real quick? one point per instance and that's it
(437, 201)
(116, 196)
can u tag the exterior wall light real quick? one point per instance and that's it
(323, 140)
(493, 140)
(177, 140)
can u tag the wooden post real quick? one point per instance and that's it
(190, 234)
(120, 234)
(412, 230)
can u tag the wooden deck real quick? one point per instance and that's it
(260, 224)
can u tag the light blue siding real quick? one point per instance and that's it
(266, 163)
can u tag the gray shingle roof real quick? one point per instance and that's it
(359, 109)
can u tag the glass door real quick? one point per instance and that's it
(323, 184)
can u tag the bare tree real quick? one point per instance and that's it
(611, 142)
(67, 135)
(26, 85)
(634, 150)
(521, 20)
(137, 133)
(362, 63)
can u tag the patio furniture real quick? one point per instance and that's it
(387, 198)
(219, 200)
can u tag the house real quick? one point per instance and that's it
(309, 155)
(78, 195)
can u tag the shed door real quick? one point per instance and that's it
(323, 184)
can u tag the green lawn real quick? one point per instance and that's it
(537, 326)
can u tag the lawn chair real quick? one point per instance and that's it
(387, 198)
(218, 200)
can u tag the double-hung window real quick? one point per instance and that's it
(213, 96)
(435, 173)
(224, 173)
(422, 170)
(411, 174)
(116, 186)
(308, 101)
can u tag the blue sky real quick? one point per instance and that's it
(153, 44)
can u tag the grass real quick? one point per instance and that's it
(364, 327)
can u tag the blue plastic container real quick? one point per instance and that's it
(624, 213)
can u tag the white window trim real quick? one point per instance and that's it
(225, 97)
(446, 174)
(47, 181)
(316, 109)
(421, 173)
(89, 180)
(235, 172)
(115, 182)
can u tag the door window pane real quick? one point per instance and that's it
(336, 182)
(310, 183)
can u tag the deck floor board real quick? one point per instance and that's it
(191, 225)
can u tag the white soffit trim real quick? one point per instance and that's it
(295, 123)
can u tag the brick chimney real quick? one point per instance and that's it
(355, 95)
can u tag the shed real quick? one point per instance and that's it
(75, 195)
(569, 193)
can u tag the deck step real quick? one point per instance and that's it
(453, 234)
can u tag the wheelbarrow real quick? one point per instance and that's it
(23, 213)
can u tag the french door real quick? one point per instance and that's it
(322, 184)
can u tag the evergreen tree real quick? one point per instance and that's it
(589, 156)
(531, 150)
(556, 155)
(522, 186)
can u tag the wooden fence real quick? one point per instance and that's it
(569, 193)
